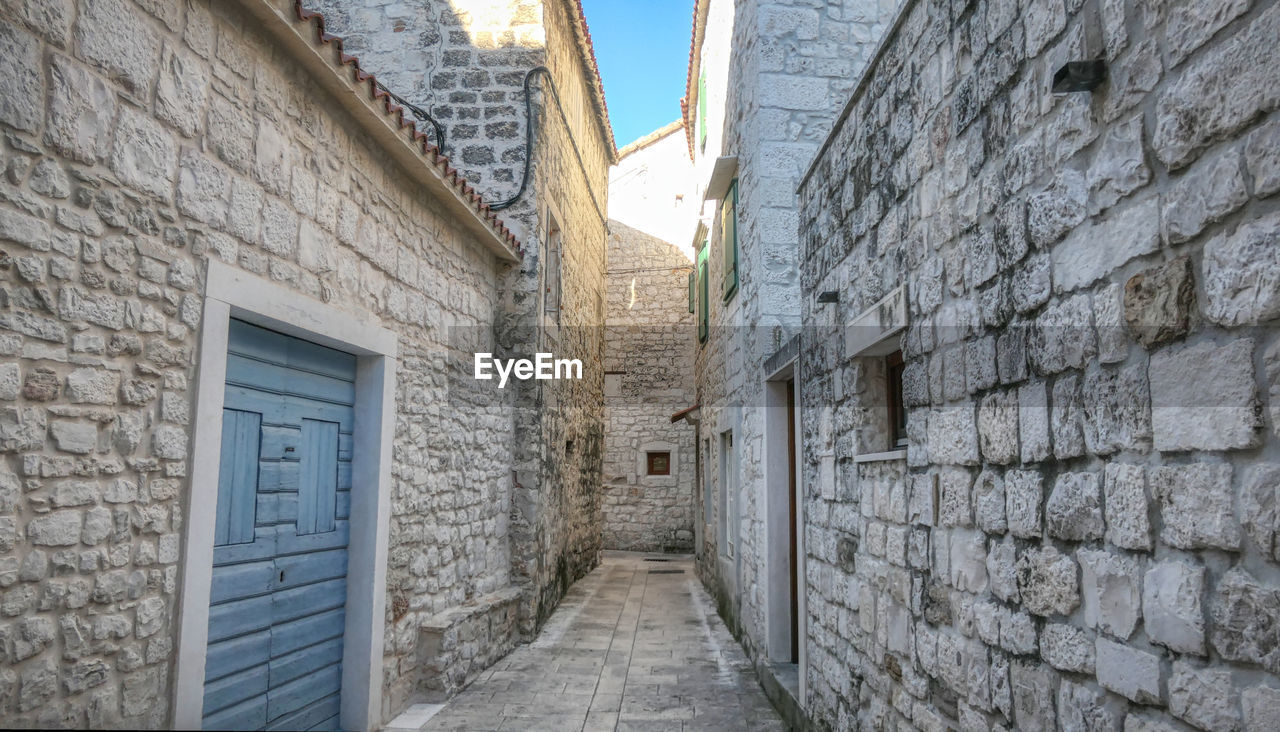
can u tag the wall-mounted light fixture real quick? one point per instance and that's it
(829, 296)
(1078, 76)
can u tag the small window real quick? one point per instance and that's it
(552, 293)
(693, 291)
(708, 505)
(893, 399)
(728, 529)
(729, 240)
(658, 463)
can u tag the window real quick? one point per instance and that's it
(552, 294)
(658, 463)
(873, 339)
(893, 400)
(707, 505)
(693, 291)
(729, 240)
(702, 109)
(704, 317)
(728, 495)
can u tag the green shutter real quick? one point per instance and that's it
(729, 240)
(702, 108)
(693, 291)
(704, 302)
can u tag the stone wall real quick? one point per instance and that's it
(1082, 531)
(563, 498)
(465, 62)
(777, 74)
(650, 341)
(137, 145)
(462, 62)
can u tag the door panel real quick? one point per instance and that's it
(237, 477)
(318, 477)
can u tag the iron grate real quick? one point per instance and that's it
(666, 571)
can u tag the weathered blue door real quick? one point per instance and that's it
(276, 614)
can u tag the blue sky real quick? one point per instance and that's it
(642, 47)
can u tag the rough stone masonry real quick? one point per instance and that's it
(465, 62)
(142, 139)
(1082, 532)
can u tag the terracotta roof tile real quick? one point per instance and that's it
(429, 151)
(695, 43)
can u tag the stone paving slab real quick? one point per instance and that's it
(626, 650)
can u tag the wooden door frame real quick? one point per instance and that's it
(234, 293)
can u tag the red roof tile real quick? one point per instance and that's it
(695, 43)
(598, 84)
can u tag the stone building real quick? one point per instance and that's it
(765, 83)
(468, 64)
(240, 294)
(649, 463)
(1040, 401)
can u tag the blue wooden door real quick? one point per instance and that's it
(277, 606)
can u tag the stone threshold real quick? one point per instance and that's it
(781, 684)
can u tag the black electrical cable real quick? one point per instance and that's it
(528, 142)
(418, 112)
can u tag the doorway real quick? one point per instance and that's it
(273, 532)
(277, 611)
(785, 556)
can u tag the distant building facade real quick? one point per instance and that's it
(650, 463)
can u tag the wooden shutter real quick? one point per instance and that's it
(703, 299)
(729, 240)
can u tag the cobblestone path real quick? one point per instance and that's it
(635, 645)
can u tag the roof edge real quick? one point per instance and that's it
(301, 33)
(588, 51)
(701, 8)
(661, 133)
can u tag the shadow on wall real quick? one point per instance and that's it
(464, 66)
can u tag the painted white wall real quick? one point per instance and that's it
(652, 190)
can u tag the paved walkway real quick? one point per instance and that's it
(635, 645)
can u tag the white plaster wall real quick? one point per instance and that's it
(651, 190)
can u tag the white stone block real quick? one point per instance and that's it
(1128, 671)
(1203, 397)
(1173, 615)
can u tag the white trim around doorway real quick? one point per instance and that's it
(234, 293)
(790, 371)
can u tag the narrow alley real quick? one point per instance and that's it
(857, 365)
(635, 645)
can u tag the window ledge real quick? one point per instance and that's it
(876, 457)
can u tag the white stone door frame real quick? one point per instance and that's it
(234, 293)
(777, 513)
